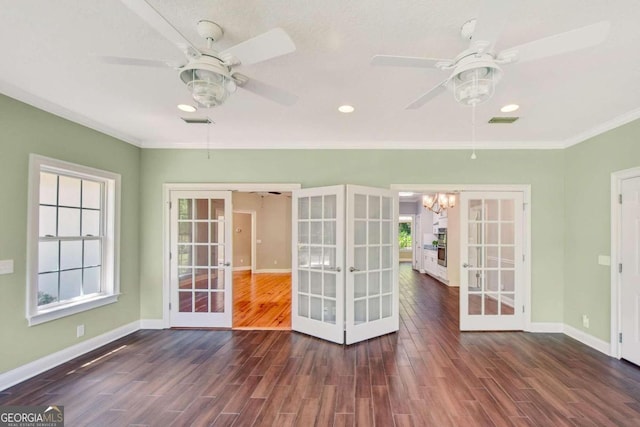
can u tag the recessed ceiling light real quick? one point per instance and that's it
(187, 108)
(346, 109)
(509, 108)
(405, 194)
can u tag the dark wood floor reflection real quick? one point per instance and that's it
(428, 374)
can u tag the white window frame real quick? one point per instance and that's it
(110, 269)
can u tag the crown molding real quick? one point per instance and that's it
(57, 110)
(616, 122)
(359, 145)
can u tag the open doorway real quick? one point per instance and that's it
(262, 260)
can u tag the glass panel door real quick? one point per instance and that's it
(491, 277)
(318, 257)
(200, 259)
(372, 298)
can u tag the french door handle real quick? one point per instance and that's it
(352, 269)
(226, 264)
(465, 265)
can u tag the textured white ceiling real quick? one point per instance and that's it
(47, 46)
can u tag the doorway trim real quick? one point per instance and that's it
(529, 326)
(167, 188)
(616, 240)
(253, 235)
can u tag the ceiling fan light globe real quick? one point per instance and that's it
(207, 93)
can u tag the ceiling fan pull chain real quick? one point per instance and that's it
(473, 131)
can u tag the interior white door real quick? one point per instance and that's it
(372, 292)
(492, 270)
(317, 307)
(630, 280)
(201, 278)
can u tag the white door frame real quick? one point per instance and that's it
(526, 247)
(167, 188)
(253, 235)
(616, 242)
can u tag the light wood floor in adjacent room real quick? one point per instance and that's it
(427, 374)
(261, 301)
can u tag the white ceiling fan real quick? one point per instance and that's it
(210, 75)
(476, 70)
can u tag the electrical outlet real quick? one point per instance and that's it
(585, 321)
(241, 261)
(79, 331)
(275, 261)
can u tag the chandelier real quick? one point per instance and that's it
(438, 202)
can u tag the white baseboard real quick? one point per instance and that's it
(273, 270)
(152, 324)
(590, 340)
(546, 327)
(31, 369)
(245, 268)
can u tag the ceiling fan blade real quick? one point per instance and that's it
(432, 93)
(265, 90)
(580, 38)
(120, 60)
(409, 61)
(490, 22)
(269, 45)
(156, 21)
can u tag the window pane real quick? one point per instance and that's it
(360, 206)
(217, 302)
(329, 311)
(70, 284)
(47, 288)
(202, 302)
(303, 306)
(386, 208)
(47, 221)
(316, 308)
(360, 285)
(330, 285)
(90, 223)
(48, 256)
(316, 233)
(68, 222)
(69, 191)
(70, 255)
(185, 302)
(374, 308)
(303, 207)
(303, 281)
(184, 232)
(329, 233)
(91, 282)
(92, 253)
(303, 232)
(48, 188)
(316, 207)
(91, 194)
(374, 283)
(202, 232)
(202, 278)
(217, 278)
(374, 207)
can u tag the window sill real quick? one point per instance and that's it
(69, 309)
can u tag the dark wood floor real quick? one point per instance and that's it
(428, 374)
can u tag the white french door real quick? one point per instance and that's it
(630, 276)
(201, 279)
(317, 306)
(322, 306)
(492, 270)
(372, 290)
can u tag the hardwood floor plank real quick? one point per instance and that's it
(261, 300)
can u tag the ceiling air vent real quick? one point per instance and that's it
(197, 120)
(506, 120)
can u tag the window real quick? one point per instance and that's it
(73, 245)
(404, 233)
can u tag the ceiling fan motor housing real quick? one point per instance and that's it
(208, 79)
(474, 78)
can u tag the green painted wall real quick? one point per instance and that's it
(24, 130)
(542, 169)
(588, 224)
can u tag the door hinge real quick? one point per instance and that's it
(620, 198)
(523, 308)
(620, 268)
(170, 255)
(620, 337)
(169, 306)
(522, 257)
(524, 206)
(170, 205)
